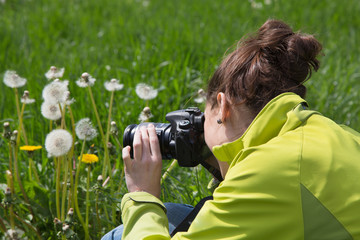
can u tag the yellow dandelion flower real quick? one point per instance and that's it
(89, 158)
(30, 148)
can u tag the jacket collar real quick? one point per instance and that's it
(283, 113)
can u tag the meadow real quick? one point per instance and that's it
(172, 46)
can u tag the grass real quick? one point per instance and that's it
(172, 45)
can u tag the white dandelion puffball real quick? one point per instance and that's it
(201, 96)
(67, 99)
(58, 142)
(11, 79)
(26, 98)
(50, 110)
(145, 115)
(55, 91)
(113, 85)
(145, 91)
(85, 130)
(85, 80)
(54, 72)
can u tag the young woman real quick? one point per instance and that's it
(289, 172)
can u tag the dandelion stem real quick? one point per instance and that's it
(75, 193)
(70, 156)
(87, 196)
(106, 155)
(20, 116)
(21, 129)
(172, 165)
(62, 111)
(10, 182)
(19, 181)
(97, 211)
(32, 165)
(64, 190)
(2, 226)
(96, 114)
(58, 169)
(100, 128)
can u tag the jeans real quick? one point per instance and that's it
(176, 213)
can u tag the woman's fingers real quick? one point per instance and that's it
(126, 157)
(137, 145)
(154, 143)
(145, 143)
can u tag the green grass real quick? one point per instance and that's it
(172, 45)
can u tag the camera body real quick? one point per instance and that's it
(182, 138)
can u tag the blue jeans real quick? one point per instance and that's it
(176, 213)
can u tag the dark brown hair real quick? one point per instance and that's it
(272, 61)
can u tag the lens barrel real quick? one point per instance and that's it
(163, 133)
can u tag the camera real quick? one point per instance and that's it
(182, 138)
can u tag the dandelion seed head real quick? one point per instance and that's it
(55, 91)
(85, 130)
(67, 99)
(113, 85)
(6, 124)
(108, 67)
(145, 115)
(58, 142)
(100, 178)
(85, 80)
(26, 98)
(201, 96)
(13, 80)
(145, 91)
(71, 211)
(50, 110)
(54, 72)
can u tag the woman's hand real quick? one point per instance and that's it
(143, 173)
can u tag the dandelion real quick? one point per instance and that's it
(7, 130)
(30, 148)
(145, 115)
(67, 100)
(89, 158)
(201, 96)
(13, 80)
(25, 99)
(54, 73)
(85, 130)
(85, 80)
(100, 178)
(58, 142)
(113, 85)
(145, 91)
(50, 110)
(55, 91)
(114, 129)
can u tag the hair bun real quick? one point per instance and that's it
(303, 50)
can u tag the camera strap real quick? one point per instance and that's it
(214, 171)
(185, 224)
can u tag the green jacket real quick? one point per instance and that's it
(294, 174)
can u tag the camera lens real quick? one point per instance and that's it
(167, 147)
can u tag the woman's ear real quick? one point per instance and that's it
(223, 104)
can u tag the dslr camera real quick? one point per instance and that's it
(182, 138)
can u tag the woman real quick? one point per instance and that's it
(289, 172)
